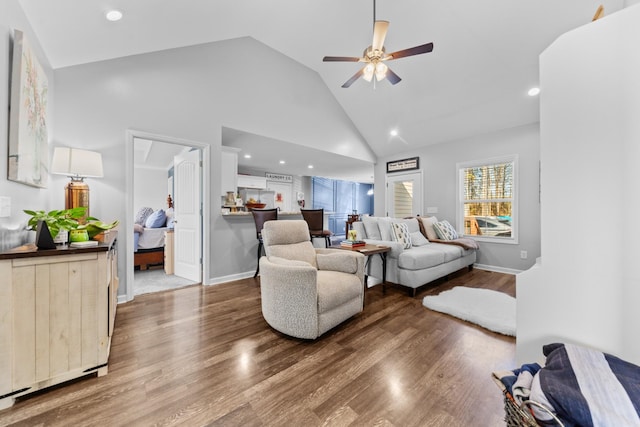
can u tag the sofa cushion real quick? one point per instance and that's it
(421, 258)
(428, 227)
(401, 234)
(384, 224)
(417, 239)
(336, 288)
(371, 227)
(445, 231)
(450, 252)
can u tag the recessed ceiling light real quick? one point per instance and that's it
(310, 166)
(282, 162)
(114, 15)
(533, 91)
(394, 132)
(247, 156)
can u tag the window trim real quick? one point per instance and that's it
(515, 222)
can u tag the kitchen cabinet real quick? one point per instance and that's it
(249, 181)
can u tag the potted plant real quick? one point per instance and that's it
(57, 220)
(61, 221)
(94, 226)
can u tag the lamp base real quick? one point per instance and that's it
(76, 193)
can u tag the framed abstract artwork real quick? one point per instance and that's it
(28, 139)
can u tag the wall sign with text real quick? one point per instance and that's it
(403, 165)
(278, 177)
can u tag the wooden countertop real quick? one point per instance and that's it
(106, 240)
(249, 215)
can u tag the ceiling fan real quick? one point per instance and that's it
(375, 55)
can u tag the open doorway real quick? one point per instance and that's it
(165, 202)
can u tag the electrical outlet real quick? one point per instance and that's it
(523, 254)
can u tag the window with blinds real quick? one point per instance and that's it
(487, 199)
(402, 199)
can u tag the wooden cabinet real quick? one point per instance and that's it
(168, 252)
(250, 181)
(57, 314)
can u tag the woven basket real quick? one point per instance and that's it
(521, 416)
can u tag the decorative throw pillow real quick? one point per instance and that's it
(445, 231)
(401, 234)
(142, 215)
(417, 239)
(428, 227)
(384, 224)
(156, 220)
(371, 227)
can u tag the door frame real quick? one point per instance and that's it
(131, 134)
(417, 195)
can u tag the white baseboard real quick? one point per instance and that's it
(497, 269)
(229, 278)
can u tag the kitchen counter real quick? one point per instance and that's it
(248, 214)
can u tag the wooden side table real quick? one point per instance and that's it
(368, 250)
(168, 252)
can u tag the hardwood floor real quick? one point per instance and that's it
(205, 356)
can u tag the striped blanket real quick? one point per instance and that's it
(586, 387)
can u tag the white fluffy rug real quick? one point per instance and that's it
(493, 310)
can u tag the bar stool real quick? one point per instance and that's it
(315, 221)
(260, 216)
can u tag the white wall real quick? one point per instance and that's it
(22, 196)
(438, 163)
(587, 289)
(150, 189)
(190, 93)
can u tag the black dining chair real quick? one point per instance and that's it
(260, 216)
(315, 221)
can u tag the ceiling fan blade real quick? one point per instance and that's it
(355, 77)
(379, 34)
(425, 48)
(392, 77)
(340, 59)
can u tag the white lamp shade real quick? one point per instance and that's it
(76, 162)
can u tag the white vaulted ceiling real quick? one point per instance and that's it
(475, 81)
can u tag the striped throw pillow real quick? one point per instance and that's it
(445, 231)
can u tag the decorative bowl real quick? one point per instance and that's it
(255, 205)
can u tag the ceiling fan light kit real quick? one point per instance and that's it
(375, 55)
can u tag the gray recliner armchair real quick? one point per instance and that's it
(306, 291)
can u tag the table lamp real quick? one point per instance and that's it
(76, 164)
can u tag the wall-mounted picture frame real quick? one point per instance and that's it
(403, 165)
(28, 136)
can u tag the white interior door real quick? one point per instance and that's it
(187, 206)
(404, 195)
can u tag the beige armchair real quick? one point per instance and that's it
(307, 291)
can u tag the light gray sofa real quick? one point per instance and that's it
(307, 291)
(418, 265)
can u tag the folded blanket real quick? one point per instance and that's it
(461, 241)
(586, 387)
(518, 382)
